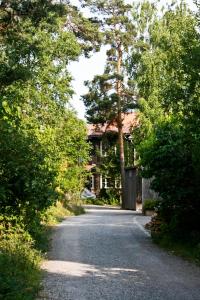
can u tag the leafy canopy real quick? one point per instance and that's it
(167, 140)
(42, 153)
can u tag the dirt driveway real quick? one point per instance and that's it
(107, 255)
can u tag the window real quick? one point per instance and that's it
(106, 182)
(118, 183)
(103, 182)
(103, 148)
(92, 182)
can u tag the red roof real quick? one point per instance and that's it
(130, 120)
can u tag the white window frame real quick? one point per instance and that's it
(103, 154)
(103, 182)
(92, 182)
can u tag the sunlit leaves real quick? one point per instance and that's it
(41, 142)
(167, 76)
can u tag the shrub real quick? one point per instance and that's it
(55, 214)
(188, 248)
(109, 196)
(22, 241)
(150, 204)
(169, 157)
(19, 265)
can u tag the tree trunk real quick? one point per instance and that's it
(120, 125)
(122, 162)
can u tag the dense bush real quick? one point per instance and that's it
(43, 146)
(150, 204)
(19, 262)
(105, 197)
(169, 159)
(168, 138)
(23, 246)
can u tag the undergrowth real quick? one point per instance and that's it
(19, 264)
(102, 201)
(23, 246)
(106, 197)
(174, 236)
(188, 249)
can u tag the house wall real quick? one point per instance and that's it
(147, 192)
(101, 145)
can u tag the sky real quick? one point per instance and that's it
(86, 68)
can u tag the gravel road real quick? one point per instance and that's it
(107, 255)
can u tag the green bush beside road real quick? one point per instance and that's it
(21, 254)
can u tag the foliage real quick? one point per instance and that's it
(22, 247)
(167, 139)
(103, 201)
(112, 195)
(170, 159)
(109, 196)
(19, 264)
(188, 248)
(59, 212)
(150, 204)
(109, 159)
(43, 145)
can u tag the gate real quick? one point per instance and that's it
(130, 188)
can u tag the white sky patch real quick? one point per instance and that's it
(83, 70)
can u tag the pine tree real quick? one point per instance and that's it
(109, 97)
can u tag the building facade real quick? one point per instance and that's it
(104, 165)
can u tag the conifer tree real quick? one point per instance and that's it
(109, 97)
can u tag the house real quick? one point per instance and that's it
(104, 163)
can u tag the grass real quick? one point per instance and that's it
(102, 201)
(150, 204)
(55, 214)
(177, 240)
(59, 212)
(22, 250)
(76, 210)
(188, 250)
(20, 268)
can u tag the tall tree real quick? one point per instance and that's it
(109, 96)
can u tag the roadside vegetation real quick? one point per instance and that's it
(22, 249)
(43, 148)
(152, 66)
(167, 141)
(105, 197)
(187, 247)
(150, 205)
